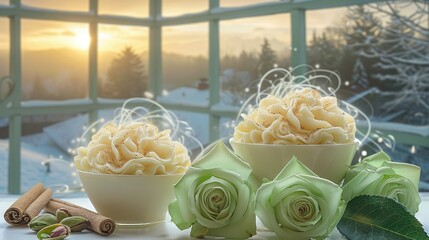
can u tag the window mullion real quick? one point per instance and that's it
(214, 58)
(155, 49)
(15, 121)
(299, 45)
(93, 59)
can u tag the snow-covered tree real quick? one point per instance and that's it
(404, 54)
(323, 52)
(359, 77)
(391, 42)
(361, 32)
(362, 28)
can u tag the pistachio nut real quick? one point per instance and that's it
(62, 213)
(56, 231)
(41, 221)
(76, 223)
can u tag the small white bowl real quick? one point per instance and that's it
(130, 199)
(330, 161)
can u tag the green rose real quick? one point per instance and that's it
(298, 204)
(378, 175)
(216, 196)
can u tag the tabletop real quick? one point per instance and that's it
(162, 230)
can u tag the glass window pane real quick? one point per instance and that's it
(238, 3)
(66, 5)
(181, 7)
(4, 91)
(199, 122)
(248, 49)
(375, 55)
(54, 60)
(4, 154)
(4, 47)
(47, 146)
(226, 127)
(185, 63)
(324, 37)
(131, 8)
(122, 59)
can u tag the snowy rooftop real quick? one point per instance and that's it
(186, 96)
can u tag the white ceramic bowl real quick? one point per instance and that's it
(330, 161)
(130, 199)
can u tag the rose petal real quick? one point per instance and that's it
(294, 167)
(221, 157)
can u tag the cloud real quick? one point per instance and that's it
(259, 29)
(66, 33)
(109, 28)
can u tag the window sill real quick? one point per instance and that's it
(163, 230)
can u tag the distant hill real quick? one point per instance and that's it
(63, 73)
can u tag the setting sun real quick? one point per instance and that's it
(81, 39)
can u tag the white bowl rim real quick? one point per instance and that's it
(128, 176)
(356, 141)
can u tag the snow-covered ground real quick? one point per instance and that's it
(35, 151)
(186, 96)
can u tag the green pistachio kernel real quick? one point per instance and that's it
(76, 223)
(56, 231)
(62, 213)
(41, 221)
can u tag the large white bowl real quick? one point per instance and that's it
(130, 199)
(330, 161)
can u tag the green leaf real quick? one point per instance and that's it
(374, 217)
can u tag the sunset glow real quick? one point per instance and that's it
(81, 40)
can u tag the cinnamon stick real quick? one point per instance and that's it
(97, 223)
(28, 206)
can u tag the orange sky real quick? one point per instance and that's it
(236, 35)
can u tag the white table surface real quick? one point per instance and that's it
(163, 230)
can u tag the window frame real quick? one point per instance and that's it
(13, 107)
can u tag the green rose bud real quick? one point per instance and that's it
(377, 175)
(215, 196)
(298, 204)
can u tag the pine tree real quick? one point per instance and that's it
(363, 28)
(248, 62)
(267, 58)
(228, 62)
(125, 78)
(359, 77)
(361, 32)
(323, 52)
